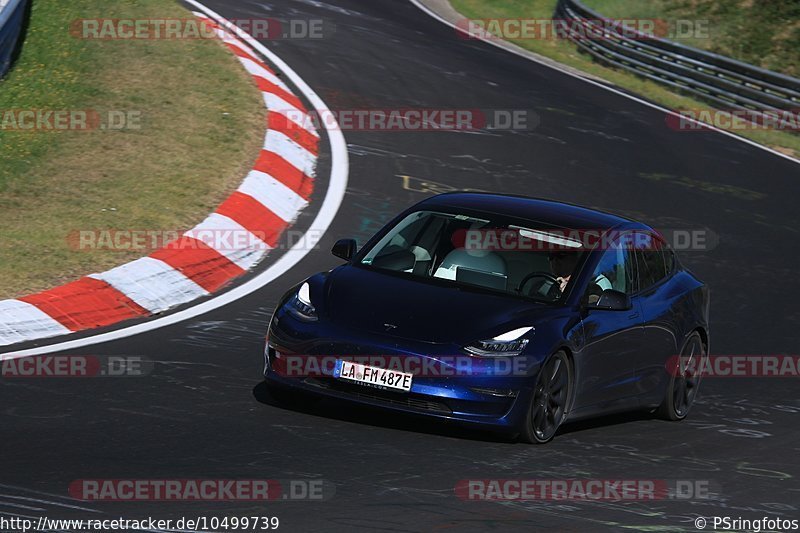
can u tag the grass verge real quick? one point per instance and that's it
(765, 34)
(200, 123)
(566, 53)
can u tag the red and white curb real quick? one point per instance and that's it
(266, 203)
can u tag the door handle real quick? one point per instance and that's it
(633, 315)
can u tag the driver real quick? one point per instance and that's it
(562, 265)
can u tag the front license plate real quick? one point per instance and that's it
(372, 376)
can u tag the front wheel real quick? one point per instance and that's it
(684, 381)
(549, 401)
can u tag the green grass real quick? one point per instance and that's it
(202, 121)
(765, 33)
(566, 53)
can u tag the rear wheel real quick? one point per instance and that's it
(549, 401)
(684, 380)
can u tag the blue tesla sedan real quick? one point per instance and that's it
(512, 313)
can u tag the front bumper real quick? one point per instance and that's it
(493, 393)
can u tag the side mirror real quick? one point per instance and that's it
(345, 248)
(613, 301)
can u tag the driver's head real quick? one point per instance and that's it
(562, 263)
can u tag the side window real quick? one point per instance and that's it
(614, 271)
(653, 260)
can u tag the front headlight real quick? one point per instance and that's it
(510, 343)
(301, 305)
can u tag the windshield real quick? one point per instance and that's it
(480, 251)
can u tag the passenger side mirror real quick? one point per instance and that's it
(345, 248)
(613, 300)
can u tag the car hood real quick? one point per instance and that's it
(369, 300)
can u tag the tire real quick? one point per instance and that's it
(550, 400)
(684, 382)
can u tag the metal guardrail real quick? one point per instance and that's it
(12, 21)
(719, 80)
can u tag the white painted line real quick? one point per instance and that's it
(296, 155)
(26, 322)
(511, 48)
(328, 210)
(273, 195)
(152, 284)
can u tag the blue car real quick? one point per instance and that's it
(510, 313)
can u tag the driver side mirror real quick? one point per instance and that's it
(613, 300)
(345, 248)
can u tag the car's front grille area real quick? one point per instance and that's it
(402, 400)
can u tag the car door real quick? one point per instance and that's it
(655, 263)
(613, 338)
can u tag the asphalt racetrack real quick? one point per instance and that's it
(203, 413)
